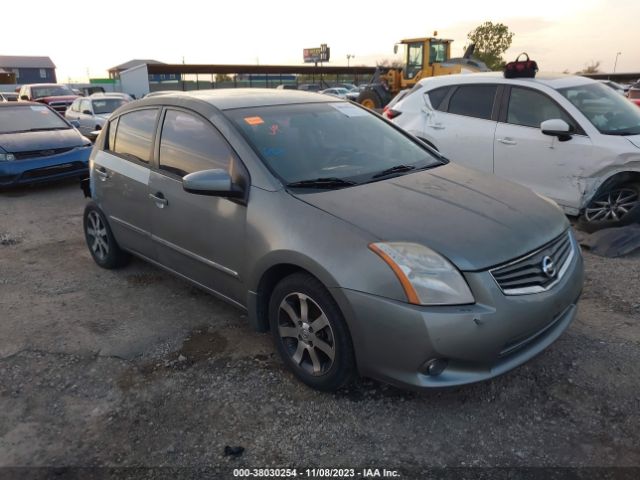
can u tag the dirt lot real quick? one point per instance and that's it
(136, 368)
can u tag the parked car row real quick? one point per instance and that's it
(568, 138)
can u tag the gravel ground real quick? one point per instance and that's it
(135, 368)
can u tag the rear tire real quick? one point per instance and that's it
(616, 207)
(310, 333)
(102, 245)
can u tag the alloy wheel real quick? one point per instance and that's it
(306, 334)
(97, 234)
(612, 205)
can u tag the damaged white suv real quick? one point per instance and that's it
(568, 138)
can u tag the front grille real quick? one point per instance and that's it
(41, 153)
(60, 106)
(54, 170)
(538, 271)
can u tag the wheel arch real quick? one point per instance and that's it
(271, 271)
(615, 178)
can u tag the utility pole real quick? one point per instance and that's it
(615, 64)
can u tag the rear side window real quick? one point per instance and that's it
(189, 144)
(473, 101)
(530, 108)
(437, 96)
(134, 134)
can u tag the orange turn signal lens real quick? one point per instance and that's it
(409, 291)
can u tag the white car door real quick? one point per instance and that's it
(541, 162)
(86, 116)
(463, 125)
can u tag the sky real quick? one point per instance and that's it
(559, 34)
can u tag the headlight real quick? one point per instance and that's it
(427, 277)
(7, 157)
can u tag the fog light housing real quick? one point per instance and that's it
(434, 367)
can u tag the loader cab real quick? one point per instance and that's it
(421, 53)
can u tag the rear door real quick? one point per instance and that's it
(541, 162)
(120, 177)
(464, 127)
(198, 236)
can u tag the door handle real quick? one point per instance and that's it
(161, 202)
(102, 173)
(437, 126)
(507, 141)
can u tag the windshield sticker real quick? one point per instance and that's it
(254, 120)
(349, 110)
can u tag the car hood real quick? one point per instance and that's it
(45, 140)
(634, 139)
(61, 98)
(473, 219)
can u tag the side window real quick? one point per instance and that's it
(437, 96)
(75, 105)
(189, 144)
(111, 140)
(85, 105)
(135, 133)
(530, 108)
(473, 101)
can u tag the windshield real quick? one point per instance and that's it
(609, 112)
(328, 140)
(51, 91)
(107, 105)
(25, 119)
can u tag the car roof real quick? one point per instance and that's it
(231, 98)
(553, 80)
(45, 85)
(103, 97)
(22, 104)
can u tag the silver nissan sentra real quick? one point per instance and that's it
(360, 248)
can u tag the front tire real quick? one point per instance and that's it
(616, 207)
(369, 99)
(102, 245)
(310, 333)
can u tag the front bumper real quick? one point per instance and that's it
(393, 340)
(74, 163)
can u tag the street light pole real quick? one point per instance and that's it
(615, 64)
(349, 57)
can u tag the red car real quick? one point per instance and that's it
(634, 93)
(58, 97)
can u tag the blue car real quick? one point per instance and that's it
(38, 145)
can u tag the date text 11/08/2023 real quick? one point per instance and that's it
(315, 473)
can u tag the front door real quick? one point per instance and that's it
(543, 163)
(201, 237)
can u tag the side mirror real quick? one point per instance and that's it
(75, 123)
(215, 182)
(87, 112)
(24, 97)
(556, 127)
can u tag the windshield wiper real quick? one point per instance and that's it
(323, 182)
(394, 169)
(43, 129)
